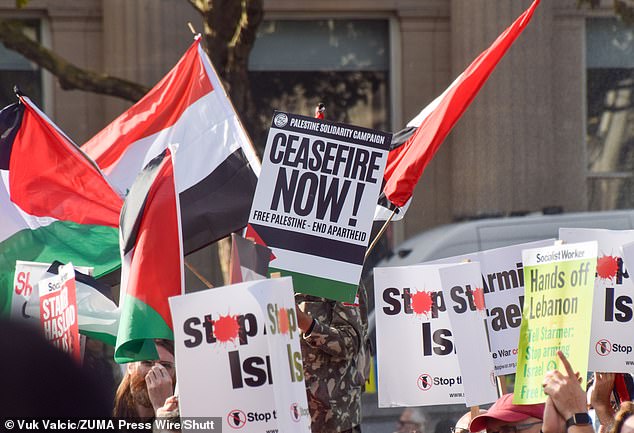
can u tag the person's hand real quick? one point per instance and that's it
(564, 390)
(600, 397)
(169, 409)
(159, 385)
(304, 320)
(553, 421)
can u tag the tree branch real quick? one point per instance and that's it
(70, 77)
(200, 6)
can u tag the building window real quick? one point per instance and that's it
(610, 126)
(344, 63)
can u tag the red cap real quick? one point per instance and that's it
(504, 410)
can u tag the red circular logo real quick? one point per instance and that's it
(424, 382)
(236, 419)
(603, 347)
(296, 414)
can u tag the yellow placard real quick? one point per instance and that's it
(557, 312)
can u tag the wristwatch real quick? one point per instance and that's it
(579, 419)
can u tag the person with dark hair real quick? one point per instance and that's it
(41, 381)
(146, 385)
(624, 421)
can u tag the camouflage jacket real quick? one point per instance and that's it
(330, 354)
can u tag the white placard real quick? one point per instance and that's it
(612, 325)
(464, 296)
(238, 357)
(315, 200)
(503, 283)
(416, 361)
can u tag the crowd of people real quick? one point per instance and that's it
(333, 351)
(44, 382)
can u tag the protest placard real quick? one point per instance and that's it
(27, 275)
(612, 325)
(627, 251)
(58, 311)
(503, 283)
(315, 200)
(557, 304)
(417, 364)
(628, 258)
(239, 358)
(464, 296)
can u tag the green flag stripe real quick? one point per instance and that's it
(138, 326)
(84, 245)
(322, 287)
(109, 339)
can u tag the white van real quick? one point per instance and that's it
(471, 236)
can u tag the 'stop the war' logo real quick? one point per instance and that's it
(424, 382)
(295, 412)
(236, 419)
(603, 347)
(280, 120)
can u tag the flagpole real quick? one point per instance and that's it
(198, 274)
(379, 234)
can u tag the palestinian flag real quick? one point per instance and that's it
(249, 260)
(216, 166)
(152, 261)
(56, 204)
(415, 146)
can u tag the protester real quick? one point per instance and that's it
(334, 335)
(601, 399)
(412, 420)
(146, 385)
(462, 425)
(624, 421)
(506, 417)
(567, 408)
(564, 410)
(41, 381)
(568, 399)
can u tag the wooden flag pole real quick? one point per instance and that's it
(379, 234)
(191, 27)
(475, 411)
(198, 275)
(501, 380)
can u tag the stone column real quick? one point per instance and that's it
(508, 151)
(425, 73)
(76, 35)
(143, 40)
